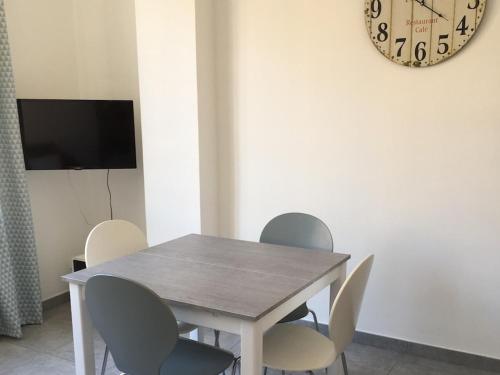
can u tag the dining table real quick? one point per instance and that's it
(234, 286)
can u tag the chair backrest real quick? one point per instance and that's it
(347, 305)
(139, 329)
(113, 239)
(298, 230)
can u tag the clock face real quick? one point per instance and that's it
(421, 33)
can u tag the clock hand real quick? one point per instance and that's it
(422, 2)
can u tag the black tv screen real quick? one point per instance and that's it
(77, 134)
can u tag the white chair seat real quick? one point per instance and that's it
(184, 327)
(292, 347)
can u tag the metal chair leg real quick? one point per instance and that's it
(105, 361)
(235, 364)
(217, 338)
(344, 363)
(315, 320)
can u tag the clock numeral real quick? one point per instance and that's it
(376, 8)
(383, 35)
(420, 52)
(401, 41)
(474, 5)
(443, 46)
(420, 33)
(462, 26)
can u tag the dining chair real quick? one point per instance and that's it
(317, 351)
(142, 333)
(113, 239)
(298, 230)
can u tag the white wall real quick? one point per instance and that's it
(166, 42)
(399, 162)
(73, 49)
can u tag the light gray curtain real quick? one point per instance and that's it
(19, 280)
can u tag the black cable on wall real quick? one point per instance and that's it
(110, 196)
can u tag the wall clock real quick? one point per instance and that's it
(422, 32)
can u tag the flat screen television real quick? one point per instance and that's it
(77, 134)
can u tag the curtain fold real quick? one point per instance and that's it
(20, 299)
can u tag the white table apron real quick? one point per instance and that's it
(251, 333)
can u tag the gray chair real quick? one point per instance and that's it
(142, 333)
(113, 239)
(298, 230)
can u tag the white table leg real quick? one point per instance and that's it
(251, 349)
(198, 334)
(83, 337)
(337, 284)
(334, 290)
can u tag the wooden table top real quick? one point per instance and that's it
(231, 277)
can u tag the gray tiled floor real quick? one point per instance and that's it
(48, 349)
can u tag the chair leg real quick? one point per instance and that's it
(217, 338)
(236, 365)
(265, 370)
(315, 320)
(344, 364)
(105, 361)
